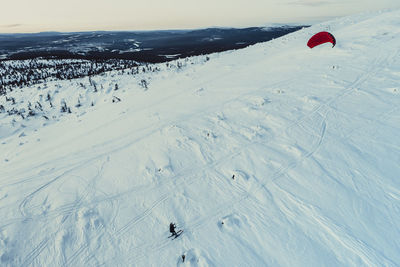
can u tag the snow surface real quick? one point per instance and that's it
(273, 155)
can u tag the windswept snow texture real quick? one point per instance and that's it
(274, 155)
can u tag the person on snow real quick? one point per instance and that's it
(172, 227)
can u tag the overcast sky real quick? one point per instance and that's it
(84, 15)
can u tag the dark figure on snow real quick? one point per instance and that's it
(172, 229)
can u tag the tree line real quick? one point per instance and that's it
(18, 74)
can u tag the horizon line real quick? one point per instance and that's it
(269, 25)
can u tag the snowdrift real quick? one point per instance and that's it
(274, 155)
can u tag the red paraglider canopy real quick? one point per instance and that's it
(321, 38)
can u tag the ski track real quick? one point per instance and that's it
(42, 245)
(152, 128)
(340, 235)
(196, 225)
(123, 230)
(81, 164)
(35, 252)
(126, 141)
(227, 207)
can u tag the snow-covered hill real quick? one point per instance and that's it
(274, 155)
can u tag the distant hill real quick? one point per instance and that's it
(145, 46)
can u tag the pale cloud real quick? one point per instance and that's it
(311, 3)
(79, 15)
(11, 26)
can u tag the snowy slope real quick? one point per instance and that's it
(274, 155)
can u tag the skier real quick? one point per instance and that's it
(172, 229)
